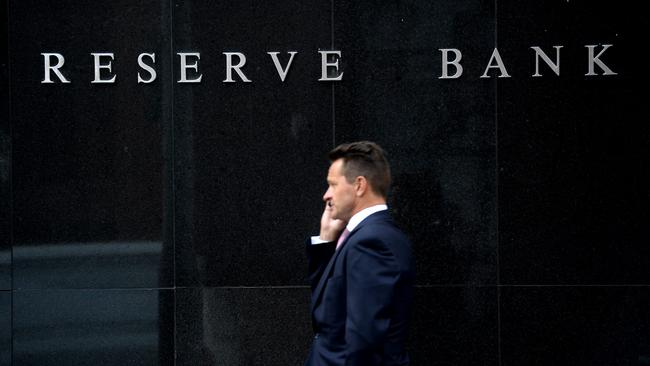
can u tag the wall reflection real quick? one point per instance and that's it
(88, 265)
(89, 327)
(5, 269)
(5, 328)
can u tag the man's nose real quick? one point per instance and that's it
(327, 196)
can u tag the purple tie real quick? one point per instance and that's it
(344, 235)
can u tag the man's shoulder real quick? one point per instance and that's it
(384, 238)
(381, 227)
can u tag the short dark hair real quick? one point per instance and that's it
(367, 159)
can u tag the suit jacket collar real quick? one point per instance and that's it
(364, 214)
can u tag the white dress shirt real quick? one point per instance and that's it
(354, 221)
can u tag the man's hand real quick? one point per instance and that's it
(330, 228)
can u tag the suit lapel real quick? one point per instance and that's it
(326, 273)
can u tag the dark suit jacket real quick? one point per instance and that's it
(362, 296)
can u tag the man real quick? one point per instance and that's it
(360, 267)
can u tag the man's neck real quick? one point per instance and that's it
(368, 203)
(360, 216)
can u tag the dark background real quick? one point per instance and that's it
(164, 223)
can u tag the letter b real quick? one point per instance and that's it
(455, 62)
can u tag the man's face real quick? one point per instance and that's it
(340, 195)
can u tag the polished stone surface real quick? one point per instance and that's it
(594, 326)
(271, 326)
(250, 158)
(439, 133)
(573, 150)
(5, 328)
(242, 326)
(93, 327)
(164, 224)
(88, 159)
(5, 151)
(455, 326)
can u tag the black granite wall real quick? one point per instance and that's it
(5, 197)
(163, 223)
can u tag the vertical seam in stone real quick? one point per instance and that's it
(172, 158)
(333, 93)
(496, 188)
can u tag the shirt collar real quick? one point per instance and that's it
(361, 215)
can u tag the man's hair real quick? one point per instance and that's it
(367, 159)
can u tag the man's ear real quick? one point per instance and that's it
(361, 184)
